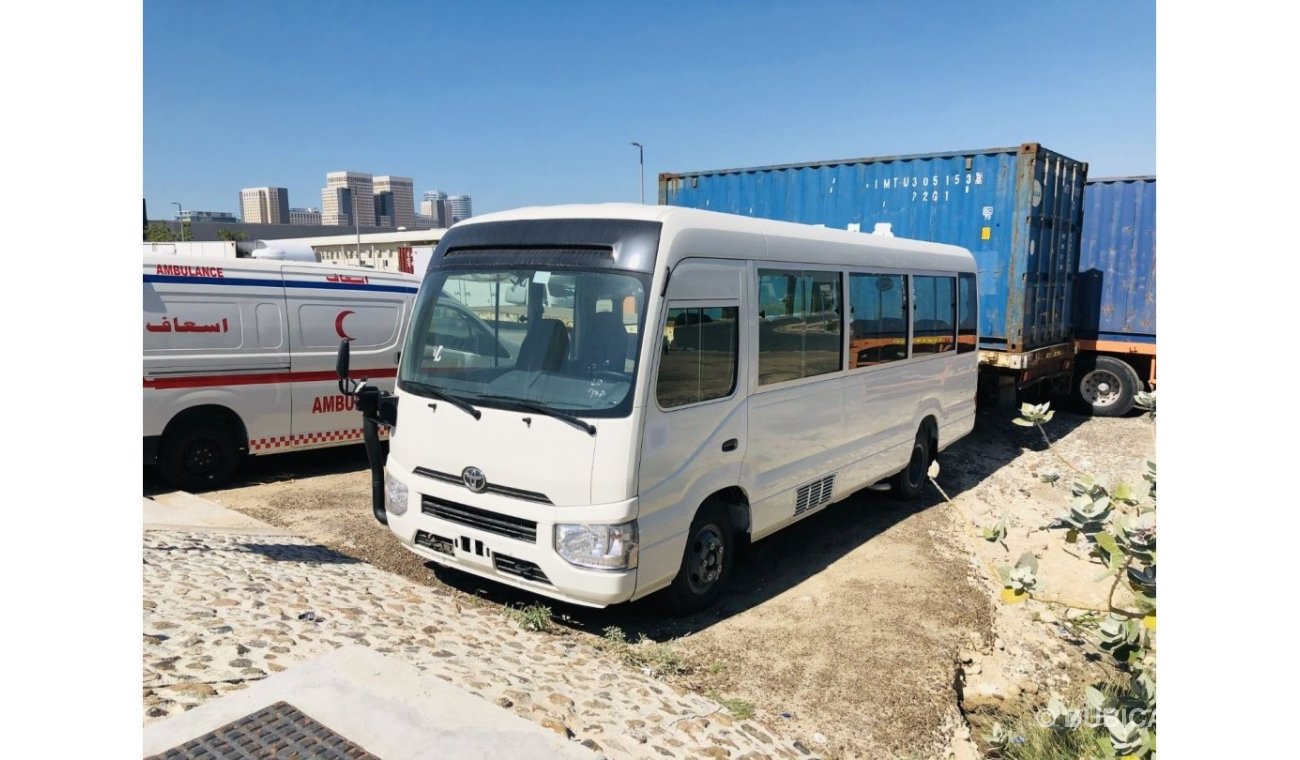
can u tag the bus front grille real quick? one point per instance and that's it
(492, 522)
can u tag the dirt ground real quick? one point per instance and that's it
(865, 627)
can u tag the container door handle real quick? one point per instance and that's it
(730, 444)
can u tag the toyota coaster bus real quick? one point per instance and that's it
(599, 402)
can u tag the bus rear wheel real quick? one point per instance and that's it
(908, 483)
(706, 562)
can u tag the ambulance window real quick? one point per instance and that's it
(270, 331)
(368, 326)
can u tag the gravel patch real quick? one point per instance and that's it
(224, 610)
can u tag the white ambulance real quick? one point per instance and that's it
(239, 358)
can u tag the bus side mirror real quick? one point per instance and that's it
(341, 365)
(387, 412)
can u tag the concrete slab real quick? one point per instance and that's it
(385, 706)
(178, 510)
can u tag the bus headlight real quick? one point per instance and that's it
(600, 547)
(395, 493)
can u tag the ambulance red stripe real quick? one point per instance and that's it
(262, 378)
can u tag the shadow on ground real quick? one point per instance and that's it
(763, 570)
(316, 554)
(276, 468)
(791, 556)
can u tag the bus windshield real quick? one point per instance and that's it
(564, 339)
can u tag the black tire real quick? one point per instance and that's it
(909, 482)
(199, 456)
(706, 561)
(1106, 386)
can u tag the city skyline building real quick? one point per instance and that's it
(304, 216)
(193, 216)
(399, 204)
(264, 205)
(433, 206)
(445, 210)
(460, 208)
(384, 209)
(358, 208)
(349, 198)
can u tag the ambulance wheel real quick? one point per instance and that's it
(706, 561)
(199, 456)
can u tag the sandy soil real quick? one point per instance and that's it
(866, 624)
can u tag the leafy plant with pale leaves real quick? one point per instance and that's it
(1118, 524)
(997, 738)
(1031, 415)
(1146, 401)
(998, 532)
(1062, 717)
(1021, 577)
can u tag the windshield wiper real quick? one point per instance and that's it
(425, 389)
(533, 406)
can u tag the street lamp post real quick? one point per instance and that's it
(180, 223)
(641, 153)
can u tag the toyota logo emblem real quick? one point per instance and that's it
(474, 479)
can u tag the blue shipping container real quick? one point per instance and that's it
(1018, 210)
(1115, 298)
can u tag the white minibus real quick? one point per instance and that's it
(656, 384)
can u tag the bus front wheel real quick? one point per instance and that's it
(706, 562)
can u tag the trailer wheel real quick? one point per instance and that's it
(706, 562)
(199, 456)
(908, 483)
(1106, 385)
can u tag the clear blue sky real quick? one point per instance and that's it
(534, 103)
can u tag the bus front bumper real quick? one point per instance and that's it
(531, 565)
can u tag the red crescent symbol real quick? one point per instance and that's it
(338, 324)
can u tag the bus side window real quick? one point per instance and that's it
(935, 322)
(968, 311)
(799, 334)
(699, 359)
(878, 331)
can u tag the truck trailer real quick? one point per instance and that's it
(1115, 296)
(1019, 210)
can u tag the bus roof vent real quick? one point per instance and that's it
(883, 228)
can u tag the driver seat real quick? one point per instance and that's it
(544, 347)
